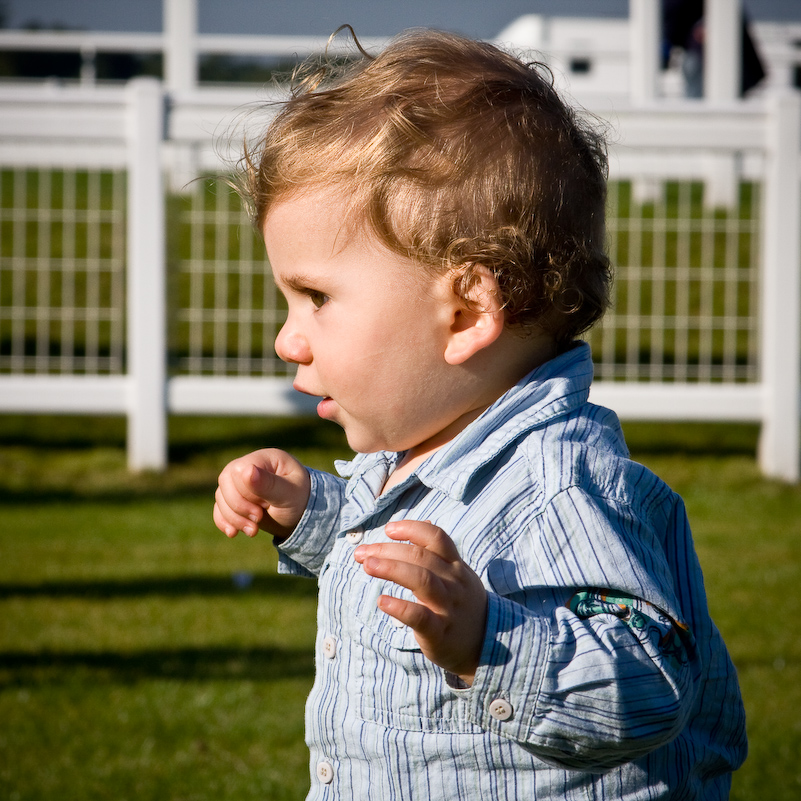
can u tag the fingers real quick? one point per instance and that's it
(420, 566)
(408, 567)
(425, 562)
(229, 521)
(237, 505)
(449, 616)
(418, 617)
(268, 482)
(267, 489)
(247, 485)
(426, 535)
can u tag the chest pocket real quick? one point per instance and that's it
(349, 601)
(387, 677)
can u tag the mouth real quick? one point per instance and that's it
(300, 389)
(324, 407)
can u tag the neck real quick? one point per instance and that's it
(415, 456)
(490, 381)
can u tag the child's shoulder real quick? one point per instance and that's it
(585, 452)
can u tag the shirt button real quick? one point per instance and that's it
(354, 537)
(325, 772)
(330, 647)
(500, 709)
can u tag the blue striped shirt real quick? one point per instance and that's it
(602, 675)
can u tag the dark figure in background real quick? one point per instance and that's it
(683, 27)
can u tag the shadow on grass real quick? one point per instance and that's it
(54, 459)
(192, 436)
(142, 489)
(188, 436)
(691, 439)
(67, 432)
(188, 664)
(235, 584)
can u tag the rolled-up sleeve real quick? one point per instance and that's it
(585, 660)
(584, 691)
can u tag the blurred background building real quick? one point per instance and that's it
(249, 40)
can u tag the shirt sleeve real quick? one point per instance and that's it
(303, 552)
(586, 693)
(585, 674)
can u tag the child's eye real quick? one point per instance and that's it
(318, 298)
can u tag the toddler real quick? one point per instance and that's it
(509, 607)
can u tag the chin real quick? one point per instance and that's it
(365, 445)
(362, 448)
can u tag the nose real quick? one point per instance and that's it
(291, 345)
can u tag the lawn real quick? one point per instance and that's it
(145, 656)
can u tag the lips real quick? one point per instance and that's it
(325, 408)
(299, 388)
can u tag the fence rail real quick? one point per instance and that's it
(127, 289)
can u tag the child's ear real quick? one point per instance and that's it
(478, 317)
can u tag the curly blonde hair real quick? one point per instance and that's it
(457, 155)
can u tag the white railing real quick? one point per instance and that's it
(688, 271)
(764, 139)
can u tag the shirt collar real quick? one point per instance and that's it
(550, 391)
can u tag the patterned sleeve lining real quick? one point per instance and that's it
(647, 622)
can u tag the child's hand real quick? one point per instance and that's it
(450, 617)
(267, 489)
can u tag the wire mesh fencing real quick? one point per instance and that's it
(684, 304)
(685, 299)
(227, 310)
(62, 271)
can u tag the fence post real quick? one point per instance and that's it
(146, 303)
(645, 47)
(180, 44)
(780, 442)
(722, 49)
(722, 70)
(645, 36)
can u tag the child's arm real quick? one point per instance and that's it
(267, 489)
(587, 692)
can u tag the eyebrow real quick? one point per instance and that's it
(299, 282)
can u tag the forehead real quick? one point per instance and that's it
(307, 236)
(317, 230)
(316, 237)
(325, 213)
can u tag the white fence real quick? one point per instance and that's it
(182, 319)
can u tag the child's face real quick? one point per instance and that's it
(367, 328)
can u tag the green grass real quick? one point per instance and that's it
(132, 667)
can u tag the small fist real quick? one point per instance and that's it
(267, 489)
